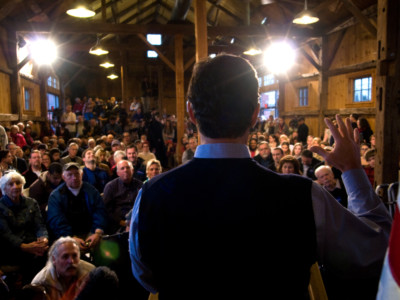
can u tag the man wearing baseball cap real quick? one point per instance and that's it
(76, 209)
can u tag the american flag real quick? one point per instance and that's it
(389, 285)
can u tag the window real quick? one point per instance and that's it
(362, 89)
(303, 96)
(52, 104)
(154, 39)
(268, 101)
(152, 54)
(28, 99)
(53, 82)
(266, 80)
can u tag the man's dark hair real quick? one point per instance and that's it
(279, 149)
(3, 154)
(102, 283)
(55, 168)
(223, 92)
(307, 153)
(131, 145)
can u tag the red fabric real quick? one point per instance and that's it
(394, 247)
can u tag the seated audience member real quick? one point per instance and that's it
(18, 164)
(181, 233)
(101, 283)
(102, 159)
(42, 187)
(188, 154)
(16, 137)
(117, 157)
(370, 169)
(297, 149)
(146, 155)
(138, 163)
(64, 273)
(96, 176)
(289, 165)
(23, 234)
(115, 146)
(76, 209)
(5, 161)
(285, 148)
(153, 168)
(308, 164)
(277, 154)
(72, 155)
(35, 168)
(46, 160)
(253, 147)
(55, 154)
(264, 156)
(119, 196)
(335, 186)
(363, 149)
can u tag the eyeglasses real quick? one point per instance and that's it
(365, 149)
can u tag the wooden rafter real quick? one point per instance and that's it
(360, 16)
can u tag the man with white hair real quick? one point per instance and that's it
(334, 186)
(64, 273)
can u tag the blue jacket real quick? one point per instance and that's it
(58, 204)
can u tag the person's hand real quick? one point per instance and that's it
(35, 248)
(346, 153)
(93, 240)
(83, 245)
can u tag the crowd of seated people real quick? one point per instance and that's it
(77, 176)
(82, 183)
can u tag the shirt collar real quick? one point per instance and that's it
(222, 150)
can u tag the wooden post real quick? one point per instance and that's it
(124, 75)
(200, 28)
(387, 126)
(15, 81)
(323, 85)
(180, 92)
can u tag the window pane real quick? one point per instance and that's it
(357, 84)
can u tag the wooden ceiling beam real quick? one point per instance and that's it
(360, 16)
(82, 28)
(8, 8)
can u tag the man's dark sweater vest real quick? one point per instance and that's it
(228, 228)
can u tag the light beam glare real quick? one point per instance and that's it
(43, 52)
(279, 57)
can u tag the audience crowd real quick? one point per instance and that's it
(75, 181)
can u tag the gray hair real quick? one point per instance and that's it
(8, 176)
(129, 163)
(53, 251)
(119, 154)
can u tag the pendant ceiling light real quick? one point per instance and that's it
(107, 64)
(305, 17)
(112, 76)
(97, 49)
(81, 10)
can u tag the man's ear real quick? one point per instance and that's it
(254, 117)
(190, 111)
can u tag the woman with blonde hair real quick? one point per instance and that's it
(153, 168)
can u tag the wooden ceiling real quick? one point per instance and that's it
(118, 22)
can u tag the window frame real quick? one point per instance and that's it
(301, 99)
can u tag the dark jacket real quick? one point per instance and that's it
(57, 219)
(224, 236)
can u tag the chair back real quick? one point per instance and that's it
(316, 287)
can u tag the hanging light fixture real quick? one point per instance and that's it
(81, 11)
(97, 49)
(112, 76)
(252, 51)
(107, 64)
(305, 17)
